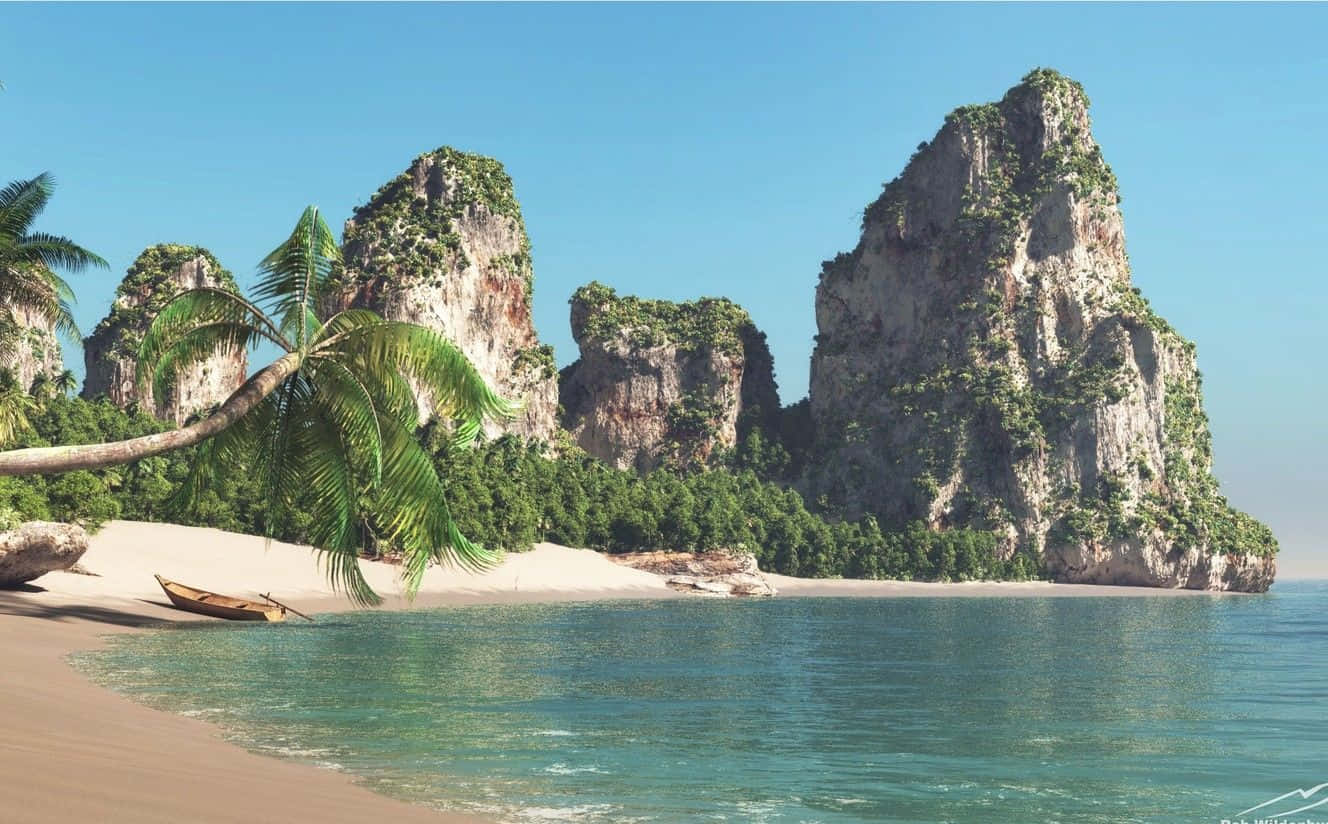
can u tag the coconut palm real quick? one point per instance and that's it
(15, 406)
(65, 382)
(29, 260)
(331, 421)
(42, 386)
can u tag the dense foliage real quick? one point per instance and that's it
(511, 495)
(137, 491)
(711, 323)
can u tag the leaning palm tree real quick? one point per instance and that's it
(29, 260)
(331, 422)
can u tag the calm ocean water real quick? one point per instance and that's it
(789, 710)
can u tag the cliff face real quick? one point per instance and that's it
(29, 344)
(111, 352)
(983, 361)
(663, 382)
(443, 245)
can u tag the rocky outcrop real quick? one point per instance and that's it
(37, 548)
(660, 382)
(443, 245)
(29, 345)
(1131, 562)
(703, 573)
(111, 352)
(983, 361)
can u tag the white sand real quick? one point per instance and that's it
(72, 752)
(125, 555)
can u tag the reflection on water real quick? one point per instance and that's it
(965, 709)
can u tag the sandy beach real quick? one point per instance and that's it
(72, 751)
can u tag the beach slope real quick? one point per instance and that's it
(71, 751)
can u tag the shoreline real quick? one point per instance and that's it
(74, 750)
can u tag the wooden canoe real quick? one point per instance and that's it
(219, 606)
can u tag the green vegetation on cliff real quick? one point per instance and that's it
(508, 494)
(1027, 354)
(996, 210)
(403, 234)
(707, 323)
(147, 287)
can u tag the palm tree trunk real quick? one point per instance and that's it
(47, 459)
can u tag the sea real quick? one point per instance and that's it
(836, 710)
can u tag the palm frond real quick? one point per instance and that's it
(57, 252)
(348, 404)
(413, 512)
(60, 286)
(37, 290)
(334, 505)
(26, 287)
(64, 324)
(66, 382)
(465, 434)
(441, 370)
(21, 201)
(297, 324)
(295, 274)
(194, 347)
(15, 406)
(345, 321)
(193, 321)
(392, 393)
(277, 462)
(235, 446)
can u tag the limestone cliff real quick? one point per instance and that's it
(663, 382)
(29, 345)
(443, 245)
(983, 361)
(111, 352)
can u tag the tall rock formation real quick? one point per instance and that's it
(663, 382)
(983, 361)
(443, 245)
(29, 345)
(111, 352)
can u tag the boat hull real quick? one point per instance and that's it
(211, 604)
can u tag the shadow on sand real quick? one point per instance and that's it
(13, 603)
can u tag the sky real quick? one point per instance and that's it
(675, 151)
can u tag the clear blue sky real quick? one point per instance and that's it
(685, 150)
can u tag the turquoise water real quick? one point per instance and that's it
(788, 710)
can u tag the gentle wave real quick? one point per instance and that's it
(1004, 711)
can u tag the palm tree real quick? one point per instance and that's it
(42, 386)
(333, 419)
(15, 406)
(28, 259)
(65, 382)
